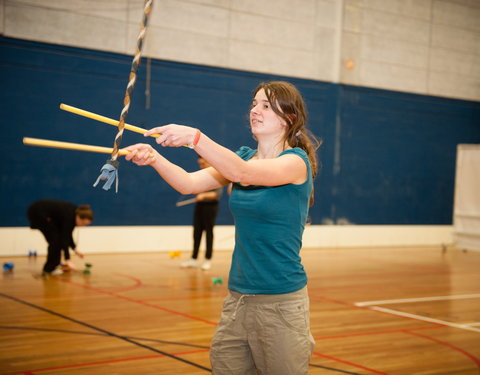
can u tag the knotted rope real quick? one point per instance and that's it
(109, 171)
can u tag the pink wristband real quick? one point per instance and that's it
(196, 139)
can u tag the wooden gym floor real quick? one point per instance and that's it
(406, 311)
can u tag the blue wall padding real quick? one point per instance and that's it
(387, 157)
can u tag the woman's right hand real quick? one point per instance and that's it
(173, 135)
(141, 154)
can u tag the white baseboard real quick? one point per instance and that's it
(340, 236)
(103, 239)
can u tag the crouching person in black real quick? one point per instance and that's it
(56, 220)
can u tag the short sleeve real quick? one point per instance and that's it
(298, 151)
(246, 152)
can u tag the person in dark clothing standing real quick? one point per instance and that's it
(56, 220)
(205, 214)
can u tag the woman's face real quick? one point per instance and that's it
(79, 222)
(263, 120)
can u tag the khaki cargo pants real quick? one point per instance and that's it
(263, 335)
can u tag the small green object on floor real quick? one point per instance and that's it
(86, 271)
(217, 280)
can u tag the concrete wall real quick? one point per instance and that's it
(427, 47)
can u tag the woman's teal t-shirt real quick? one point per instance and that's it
(269, 223)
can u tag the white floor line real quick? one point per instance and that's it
(473, 324)
(408, 300)
(425, 319)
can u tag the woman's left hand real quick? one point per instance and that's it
(173, 135)
(141, 154)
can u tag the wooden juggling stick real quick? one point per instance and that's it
(69, 146)
(72, 146)
(107, 120)
(103, 119)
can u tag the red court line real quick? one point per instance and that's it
(410, 330)
(448, 345)
(90, 364)
(140, 302)
(137, 284)
(189, 298)
(349, 363)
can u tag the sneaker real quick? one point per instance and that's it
(206, 265)
(191, 263)
(55, 272)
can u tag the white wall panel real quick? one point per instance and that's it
(384, 49)
(448, 85)
(326, 14)
(466, 211)
(455, 39)
(271, 59)
(457, 15)
(116, 10)
(351, 49)
(201, 48)
(423, 46)
(217, 3)
(326, 56)
(64, 27)
(459, 63)
(268, 31)
(286, 10)
(410, 8)
(396, 77)
(396, 26)
(427, 47)
(185, 16)
(2, 16)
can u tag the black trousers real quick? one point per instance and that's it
(54, 250)
(52, 236)
(204, 218)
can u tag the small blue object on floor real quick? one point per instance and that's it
(8, 266)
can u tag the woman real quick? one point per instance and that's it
(265, 320)
(204, 216)
(56, 220)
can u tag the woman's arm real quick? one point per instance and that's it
(287, 169)
(182, 181)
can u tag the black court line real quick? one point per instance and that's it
(129, 339)
(102, 334)
(335, 369)
(108, 333)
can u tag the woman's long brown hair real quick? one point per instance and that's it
(287, 102)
